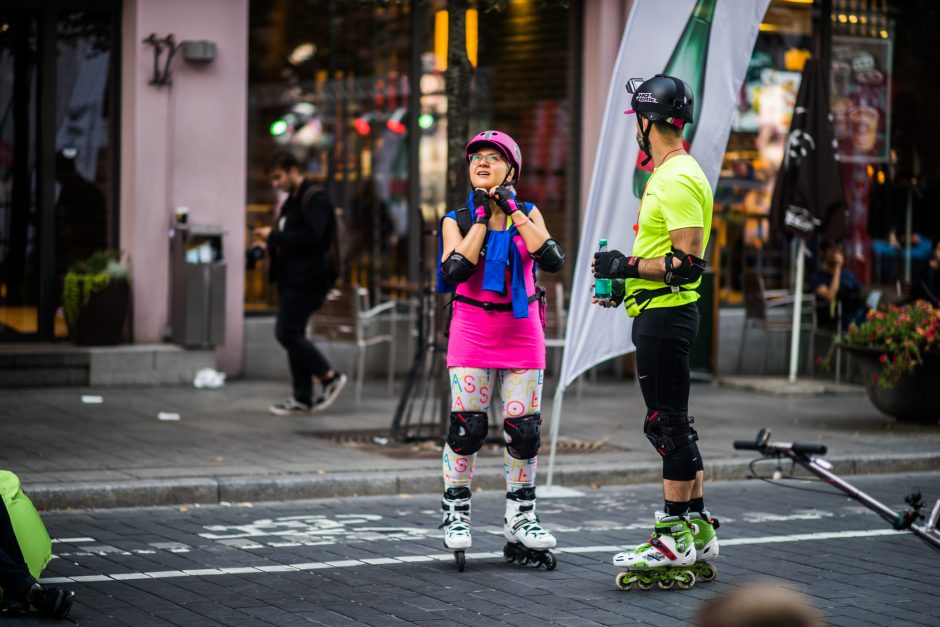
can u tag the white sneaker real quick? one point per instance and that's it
(521, 523)
(330, 391)
(290, 407)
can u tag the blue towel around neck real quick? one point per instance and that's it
(500, 253)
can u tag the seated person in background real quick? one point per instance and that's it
(832, 284)
(927, 283)
(25, 549)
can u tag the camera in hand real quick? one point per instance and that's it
(253, 255)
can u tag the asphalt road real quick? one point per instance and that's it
(380, 560)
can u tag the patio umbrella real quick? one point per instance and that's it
(808, 198)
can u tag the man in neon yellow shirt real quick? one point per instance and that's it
(657, 285)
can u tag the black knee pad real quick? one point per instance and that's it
(680, 464)
(674, 439)
(522, 435)
(467, 431)
(668, 433)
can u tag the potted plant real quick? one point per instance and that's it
(96, 299)
(898, 350)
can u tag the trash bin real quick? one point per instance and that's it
(197, 286)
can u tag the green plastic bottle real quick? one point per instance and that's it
(688, 62)
(602, 287)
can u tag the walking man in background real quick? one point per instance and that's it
(297, 246)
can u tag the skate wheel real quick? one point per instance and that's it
(685, 580)
(665, 585)
(644, 585)
(550, 561)
(709, 572)
(508, 554)
(461, 560)
(623, 582)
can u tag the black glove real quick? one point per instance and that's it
(617, 291)
(614, 264)
(481, 200)
(504, 200)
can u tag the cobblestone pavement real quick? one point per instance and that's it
(380, 561)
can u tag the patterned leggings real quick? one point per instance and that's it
(520, 394)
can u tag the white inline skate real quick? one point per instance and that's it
(528, 542)
(456, 523)
(666, 559)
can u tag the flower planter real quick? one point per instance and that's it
(911, 398)
(101, 321)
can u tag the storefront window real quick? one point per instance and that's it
(756, 146)
(329, 81)
(51, 217)
(877, 160)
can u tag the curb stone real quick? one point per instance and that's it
(213, 490)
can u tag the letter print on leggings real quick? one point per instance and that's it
(520, 395)
(469, 391)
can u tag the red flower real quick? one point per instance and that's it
(883, 359)
(874, 379)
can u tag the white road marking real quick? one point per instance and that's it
(406, 559)
(71, 540)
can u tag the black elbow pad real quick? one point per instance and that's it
(690, 271)
(456, 268)
(550, 256)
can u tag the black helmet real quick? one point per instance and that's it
(662, 98)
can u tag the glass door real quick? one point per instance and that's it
(19, 207)
(58, 154)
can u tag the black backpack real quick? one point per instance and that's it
(334, 237)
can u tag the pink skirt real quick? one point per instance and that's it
(495, 339)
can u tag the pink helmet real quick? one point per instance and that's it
(501, 142)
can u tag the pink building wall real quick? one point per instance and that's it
(184, 144)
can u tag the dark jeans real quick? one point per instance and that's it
(14, 574)
(294, 308)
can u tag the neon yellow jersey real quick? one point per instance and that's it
(677, 196)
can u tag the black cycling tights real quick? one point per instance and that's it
(663, 338)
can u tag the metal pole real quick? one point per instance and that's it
(556, 418)
(415, 235)
(797, 310)
(46, 173)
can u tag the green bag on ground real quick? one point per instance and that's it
(27, 525)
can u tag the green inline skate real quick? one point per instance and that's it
(666, 559)
(706, 545)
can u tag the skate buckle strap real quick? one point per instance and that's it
(456, 524)
(529, 524)
(450, 507)
(662, 548)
